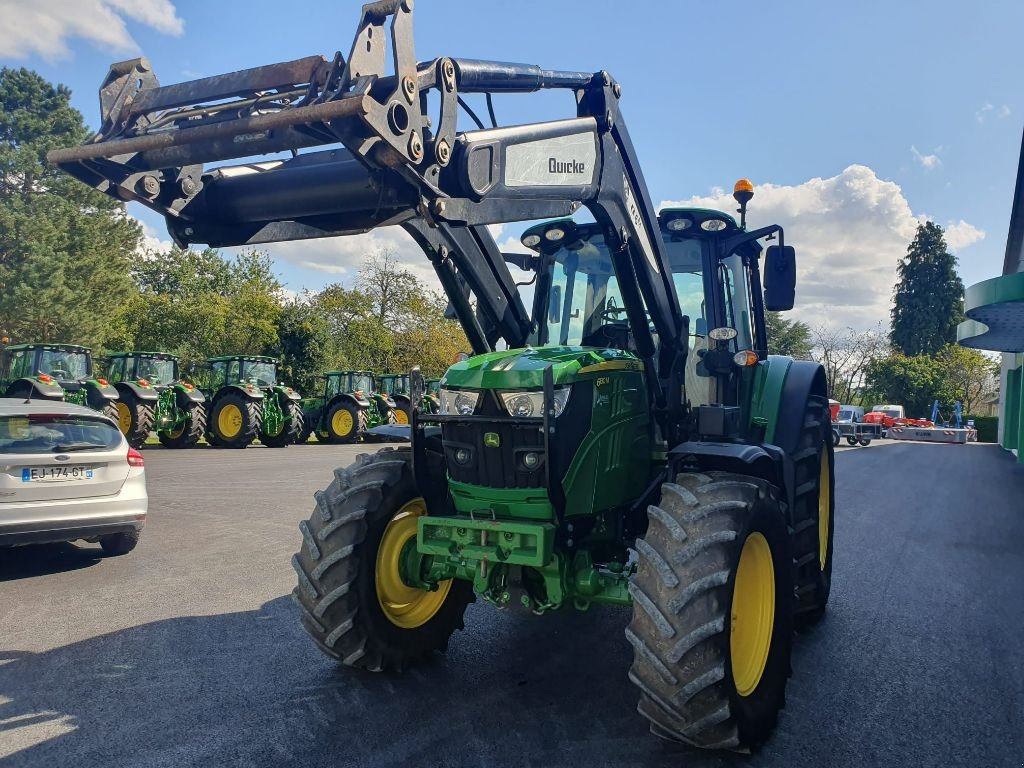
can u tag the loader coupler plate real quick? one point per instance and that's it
(496, 541)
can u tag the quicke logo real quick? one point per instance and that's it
(566, 166)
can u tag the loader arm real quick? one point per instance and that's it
(396, 165)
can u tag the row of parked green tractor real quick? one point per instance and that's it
(231, 402)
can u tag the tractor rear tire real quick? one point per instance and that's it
(135, 418)
(292, 431)
(337, 567)
(358, 423)
(716, 560)
(109, 409)
(193, 429)
(248, 426)
(813, 515)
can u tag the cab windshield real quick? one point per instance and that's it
(260, 374)
(387, 386)
(155, 371)
(584, 305)
(362, 382)
(64, 365)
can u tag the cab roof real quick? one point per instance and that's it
(248, 358)
(46, 345)
(345, 373)
(154, 355)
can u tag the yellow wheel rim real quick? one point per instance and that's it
(229, 420)
(404, 606)
(124, 418)
(342, 422)
(824, 510)
(753, 614)
(400, 417)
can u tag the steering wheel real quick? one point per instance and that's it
(59, 373)
(612, 309)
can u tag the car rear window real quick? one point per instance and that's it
(56, 433)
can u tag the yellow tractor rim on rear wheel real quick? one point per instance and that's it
(753, 614)
(124, 418)
(824, 510)
(342, 422)
(400, 417)
(229, 420)
(404, 606)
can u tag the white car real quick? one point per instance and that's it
(67, 473)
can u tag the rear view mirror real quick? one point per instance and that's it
(555, 304)
(779, 278)
(416, 386)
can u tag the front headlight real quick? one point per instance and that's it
(460, 401)
(523, 404)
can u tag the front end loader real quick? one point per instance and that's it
(56, 372)
(152, 398)
(625, 441)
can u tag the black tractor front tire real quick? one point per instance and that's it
(140, 415)
(192, 431)
(250, 421)
(693, 687)
(292, 431)
(336, 569)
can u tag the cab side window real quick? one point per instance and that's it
(234, 372)
(115, 371)
(20, 365)
(217, 373)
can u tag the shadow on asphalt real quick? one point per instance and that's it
(41, 559)
(249, 689)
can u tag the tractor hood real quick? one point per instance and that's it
(524, 368)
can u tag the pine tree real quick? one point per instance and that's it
(928, 298)
(65, 250)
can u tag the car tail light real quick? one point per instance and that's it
(135, 458)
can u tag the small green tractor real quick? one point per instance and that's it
(622, 439)
(56, 372)
(348, 407)
(151, 397)
(431, 396)
(245, 401)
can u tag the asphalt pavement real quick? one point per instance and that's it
(188, 651)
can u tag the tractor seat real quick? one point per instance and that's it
(609, 336)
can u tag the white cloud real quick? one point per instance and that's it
(960, 234)
(849, 231)
(152, 240)
(44, 27)
(928, 162)
(988, 109)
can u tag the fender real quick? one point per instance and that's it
(186, 393)
(350, 399)
(48, 390)
(402, 401)
(97, 392)
(253, 393)
(397, 432)
(287, 392)
(141, 392)
(804, 379)
(768, 462)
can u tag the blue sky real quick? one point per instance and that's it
(852, 121)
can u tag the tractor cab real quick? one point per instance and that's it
(393, 383)
(147, 369)
(55, 372)
(252, 371)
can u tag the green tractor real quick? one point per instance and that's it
(349, 406)
(246, 401)
(396, 386)
(56, 372)
(151, 397)
(431, 396)
(626, 441)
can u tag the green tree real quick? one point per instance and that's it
(913, 382)
(303, 343)
(65, 249)
(969, 375)
(788, 337)
(928, 298)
